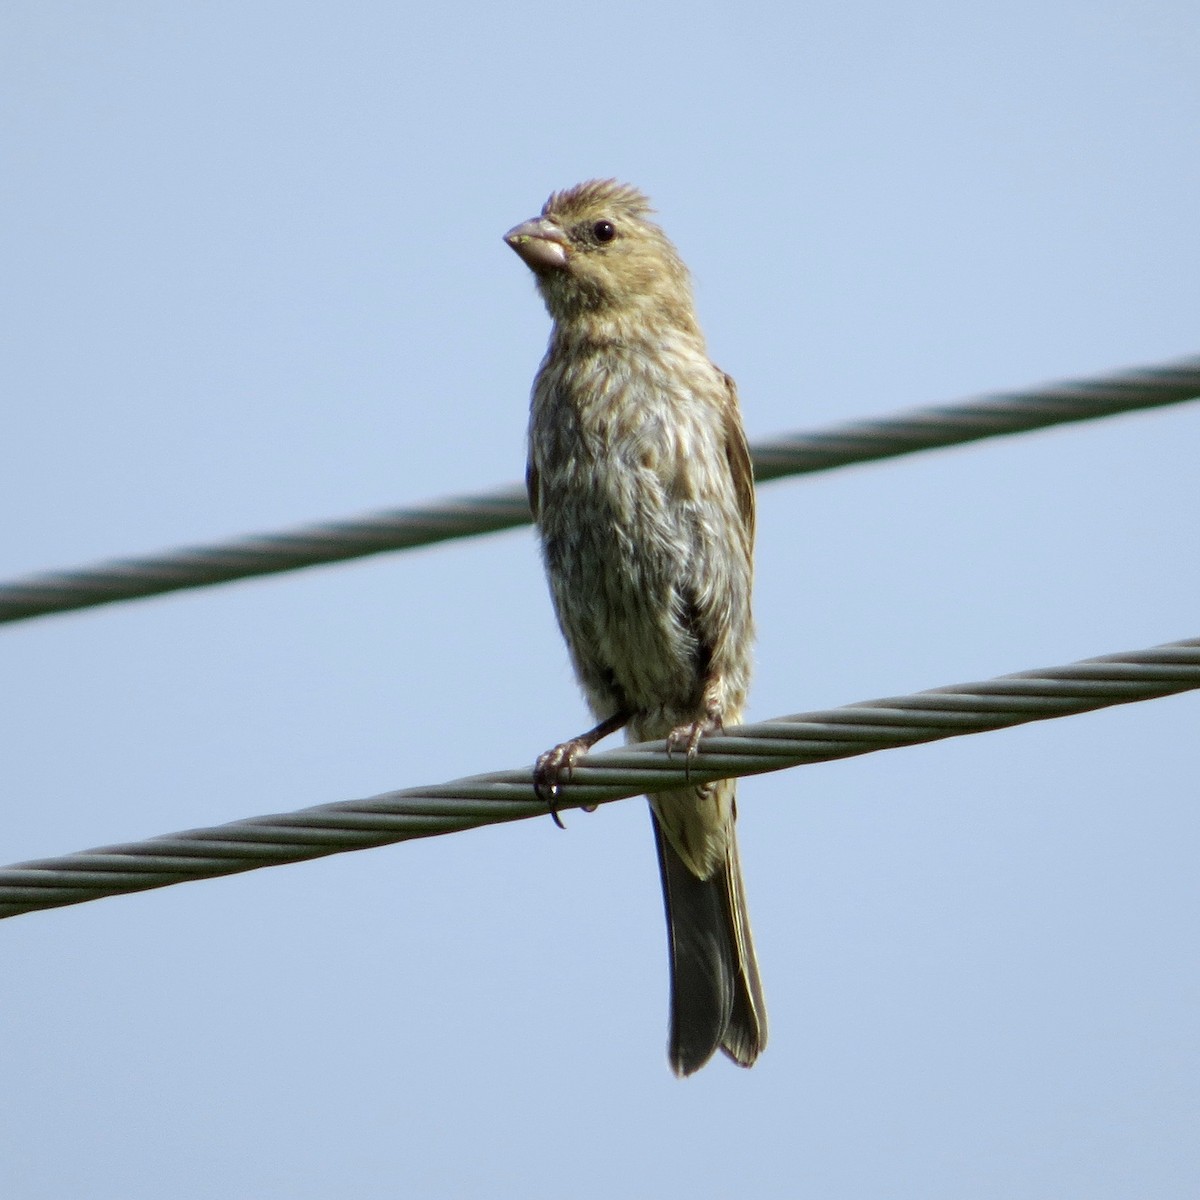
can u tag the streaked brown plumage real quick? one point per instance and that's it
(641, 485)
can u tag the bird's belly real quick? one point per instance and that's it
(619, 569)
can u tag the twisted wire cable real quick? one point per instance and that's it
(508, 795)
(402, 528)
(971, 420)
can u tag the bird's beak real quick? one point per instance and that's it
(541, 244)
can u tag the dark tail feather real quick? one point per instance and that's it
(716, 993)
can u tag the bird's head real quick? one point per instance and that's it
(596, 254)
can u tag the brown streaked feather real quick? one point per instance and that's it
(746, 1037)
(531, 488)
(584, 196)
(738, 453)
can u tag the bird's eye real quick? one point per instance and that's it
(604, 231)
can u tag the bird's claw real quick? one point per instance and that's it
(685, 739)
(552, 770)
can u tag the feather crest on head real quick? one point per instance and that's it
(598, 192)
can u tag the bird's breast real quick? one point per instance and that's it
(636, 513)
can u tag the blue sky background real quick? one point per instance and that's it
(252, 276)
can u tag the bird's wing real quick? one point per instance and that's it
(738, 454)
(531, 487)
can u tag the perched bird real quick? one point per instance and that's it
(640, 482)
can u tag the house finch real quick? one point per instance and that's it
(640, 482)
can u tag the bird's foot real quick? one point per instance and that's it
(685, 739)
(553, 769)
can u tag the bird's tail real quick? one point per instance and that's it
(716, 992)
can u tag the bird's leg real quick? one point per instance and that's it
(554, 768)
(686, 738)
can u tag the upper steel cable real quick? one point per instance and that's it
(402, 528)
(508, 795)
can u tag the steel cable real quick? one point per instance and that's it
(508, 795)
(423, 525)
